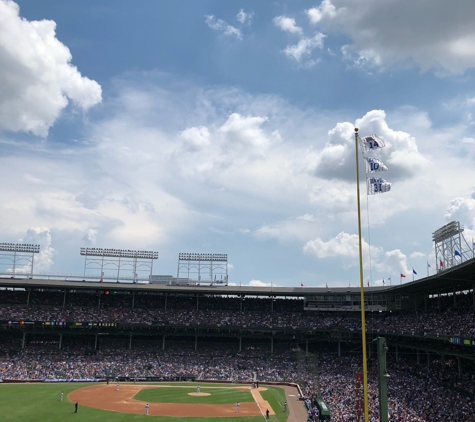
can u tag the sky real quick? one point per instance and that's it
(228, 127)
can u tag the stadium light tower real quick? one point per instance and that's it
(360, 252)
(17, 253)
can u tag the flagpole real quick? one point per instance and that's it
(360, 251)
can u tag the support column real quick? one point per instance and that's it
(339, 348)
(418, 357)
(197, 302)
(271, 304)
(455, 299)
(64, 299)
(240, 304)
(382, 379)
(95, 342)
(240, 343)
(473, 294)
(133, 300)
(23, 340)
(28, 298)
(272, 345)
(459, 365)
(60, 341)
(196, 343)
(306, 347)
(166, 301)
(99, 301)
(130, 342)
(163, 343)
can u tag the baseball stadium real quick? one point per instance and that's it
(196, 348)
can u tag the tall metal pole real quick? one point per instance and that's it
(360, 251)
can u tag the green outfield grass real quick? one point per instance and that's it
(217, 395)
(40, 403)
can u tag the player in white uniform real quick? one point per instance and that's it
(237, 407)
(198, 388)
(61, 396)
(117, 387)
(146, 409)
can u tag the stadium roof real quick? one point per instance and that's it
(456, 279)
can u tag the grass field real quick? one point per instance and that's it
(40, 402)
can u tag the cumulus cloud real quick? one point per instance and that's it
(336, 160)
(222, 26)
(40, 236)
(304, 48)
(36, 74)
(195, 138)
(287, 24)
(388, 34)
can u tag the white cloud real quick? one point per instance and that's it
(287, 24)
(293, 228)
(244, 18)
(304, 47)
(432, 34)
(326, 10)
(463, 210)
(223, 27)
(40, 236)
(259, 283)
(36, 74)
(195, 138)
(336, 159)
(343, 245)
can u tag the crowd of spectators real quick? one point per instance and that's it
(426, 392)
(438, 318)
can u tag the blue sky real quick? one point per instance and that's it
(227, 127)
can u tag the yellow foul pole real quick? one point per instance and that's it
(363, 323)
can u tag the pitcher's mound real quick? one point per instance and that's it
(199, 394)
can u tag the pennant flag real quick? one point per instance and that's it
(302, 285)
(383, 282)
(377, 185)
(441, 264)
(428, 265)
(414, 271)
(403, 275)
(457, 253)
(374, 164)
(368, 283)
(370, 143)
(389, 279)
(326, 285)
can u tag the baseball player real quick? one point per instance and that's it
(237, 407)
(146, 409)
(61, 396)
(117, 387)
(198, 388)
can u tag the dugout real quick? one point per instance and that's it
(324, 413)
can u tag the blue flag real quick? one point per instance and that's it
(428, 265)
(457, 253)
(414, 271)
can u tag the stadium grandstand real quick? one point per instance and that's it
(61, 329)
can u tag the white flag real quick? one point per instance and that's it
(370, 143)
(374, 164)
(377, 185)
